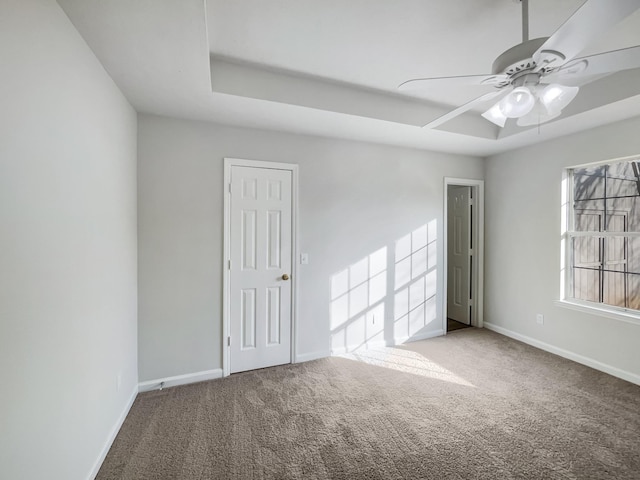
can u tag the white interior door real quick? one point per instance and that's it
(260, 269)
(459, 255)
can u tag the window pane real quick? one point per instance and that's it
(586, 252)
(586, 284)
(588, 198)
(612, 193)
(620, 289)
(586, 268)
(615, 260)
(621, 193)
(588, 220)
(588, 182)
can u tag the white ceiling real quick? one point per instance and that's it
(331, 67)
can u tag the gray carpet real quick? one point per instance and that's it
(471, 405)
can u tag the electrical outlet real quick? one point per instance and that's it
(118, 381)
(540, 319)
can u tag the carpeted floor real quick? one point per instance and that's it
(473, 405)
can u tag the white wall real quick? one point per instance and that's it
(67, 247)
(355, 199)
(523, 248)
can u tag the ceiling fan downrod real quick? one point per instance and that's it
(525, 19)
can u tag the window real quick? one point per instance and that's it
(603, 236)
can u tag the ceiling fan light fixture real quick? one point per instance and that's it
(518, 103)
(495, 115)
(555, 97)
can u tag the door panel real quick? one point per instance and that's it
(248, 319)
(260, 244)
(249, 246)
(274, 316)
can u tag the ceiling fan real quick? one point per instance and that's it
(534, 80)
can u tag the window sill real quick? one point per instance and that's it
(623, 316)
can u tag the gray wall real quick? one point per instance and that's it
(67, 247)
(355, 199)
(523, 247)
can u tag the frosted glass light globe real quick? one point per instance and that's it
(555, 97)
(518, 103)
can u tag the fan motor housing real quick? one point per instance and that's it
(517, 59)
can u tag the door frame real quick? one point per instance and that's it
(477, 278)
(226, 252)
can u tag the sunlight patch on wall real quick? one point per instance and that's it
(373, 304)
(415, 281)
(357, 302)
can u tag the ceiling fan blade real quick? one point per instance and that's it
(423, 84)
(591, 20)
(602, 63)
(467, 106)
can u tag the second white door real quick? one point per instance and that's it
(459, 257)
(260, 268)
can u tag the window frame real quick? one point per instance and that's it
(568, 231)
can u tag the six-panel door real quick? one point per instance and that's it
(260, 283)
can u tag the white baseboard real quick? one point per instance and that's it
(421, 336)
(307, 357)
(355, 348)
(589, 362)
(180, 380)
(391, 343)
(112, 435)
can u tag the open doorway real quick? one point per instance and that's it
(464, 227)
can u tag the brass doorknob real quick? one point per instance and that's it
(285, 277)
